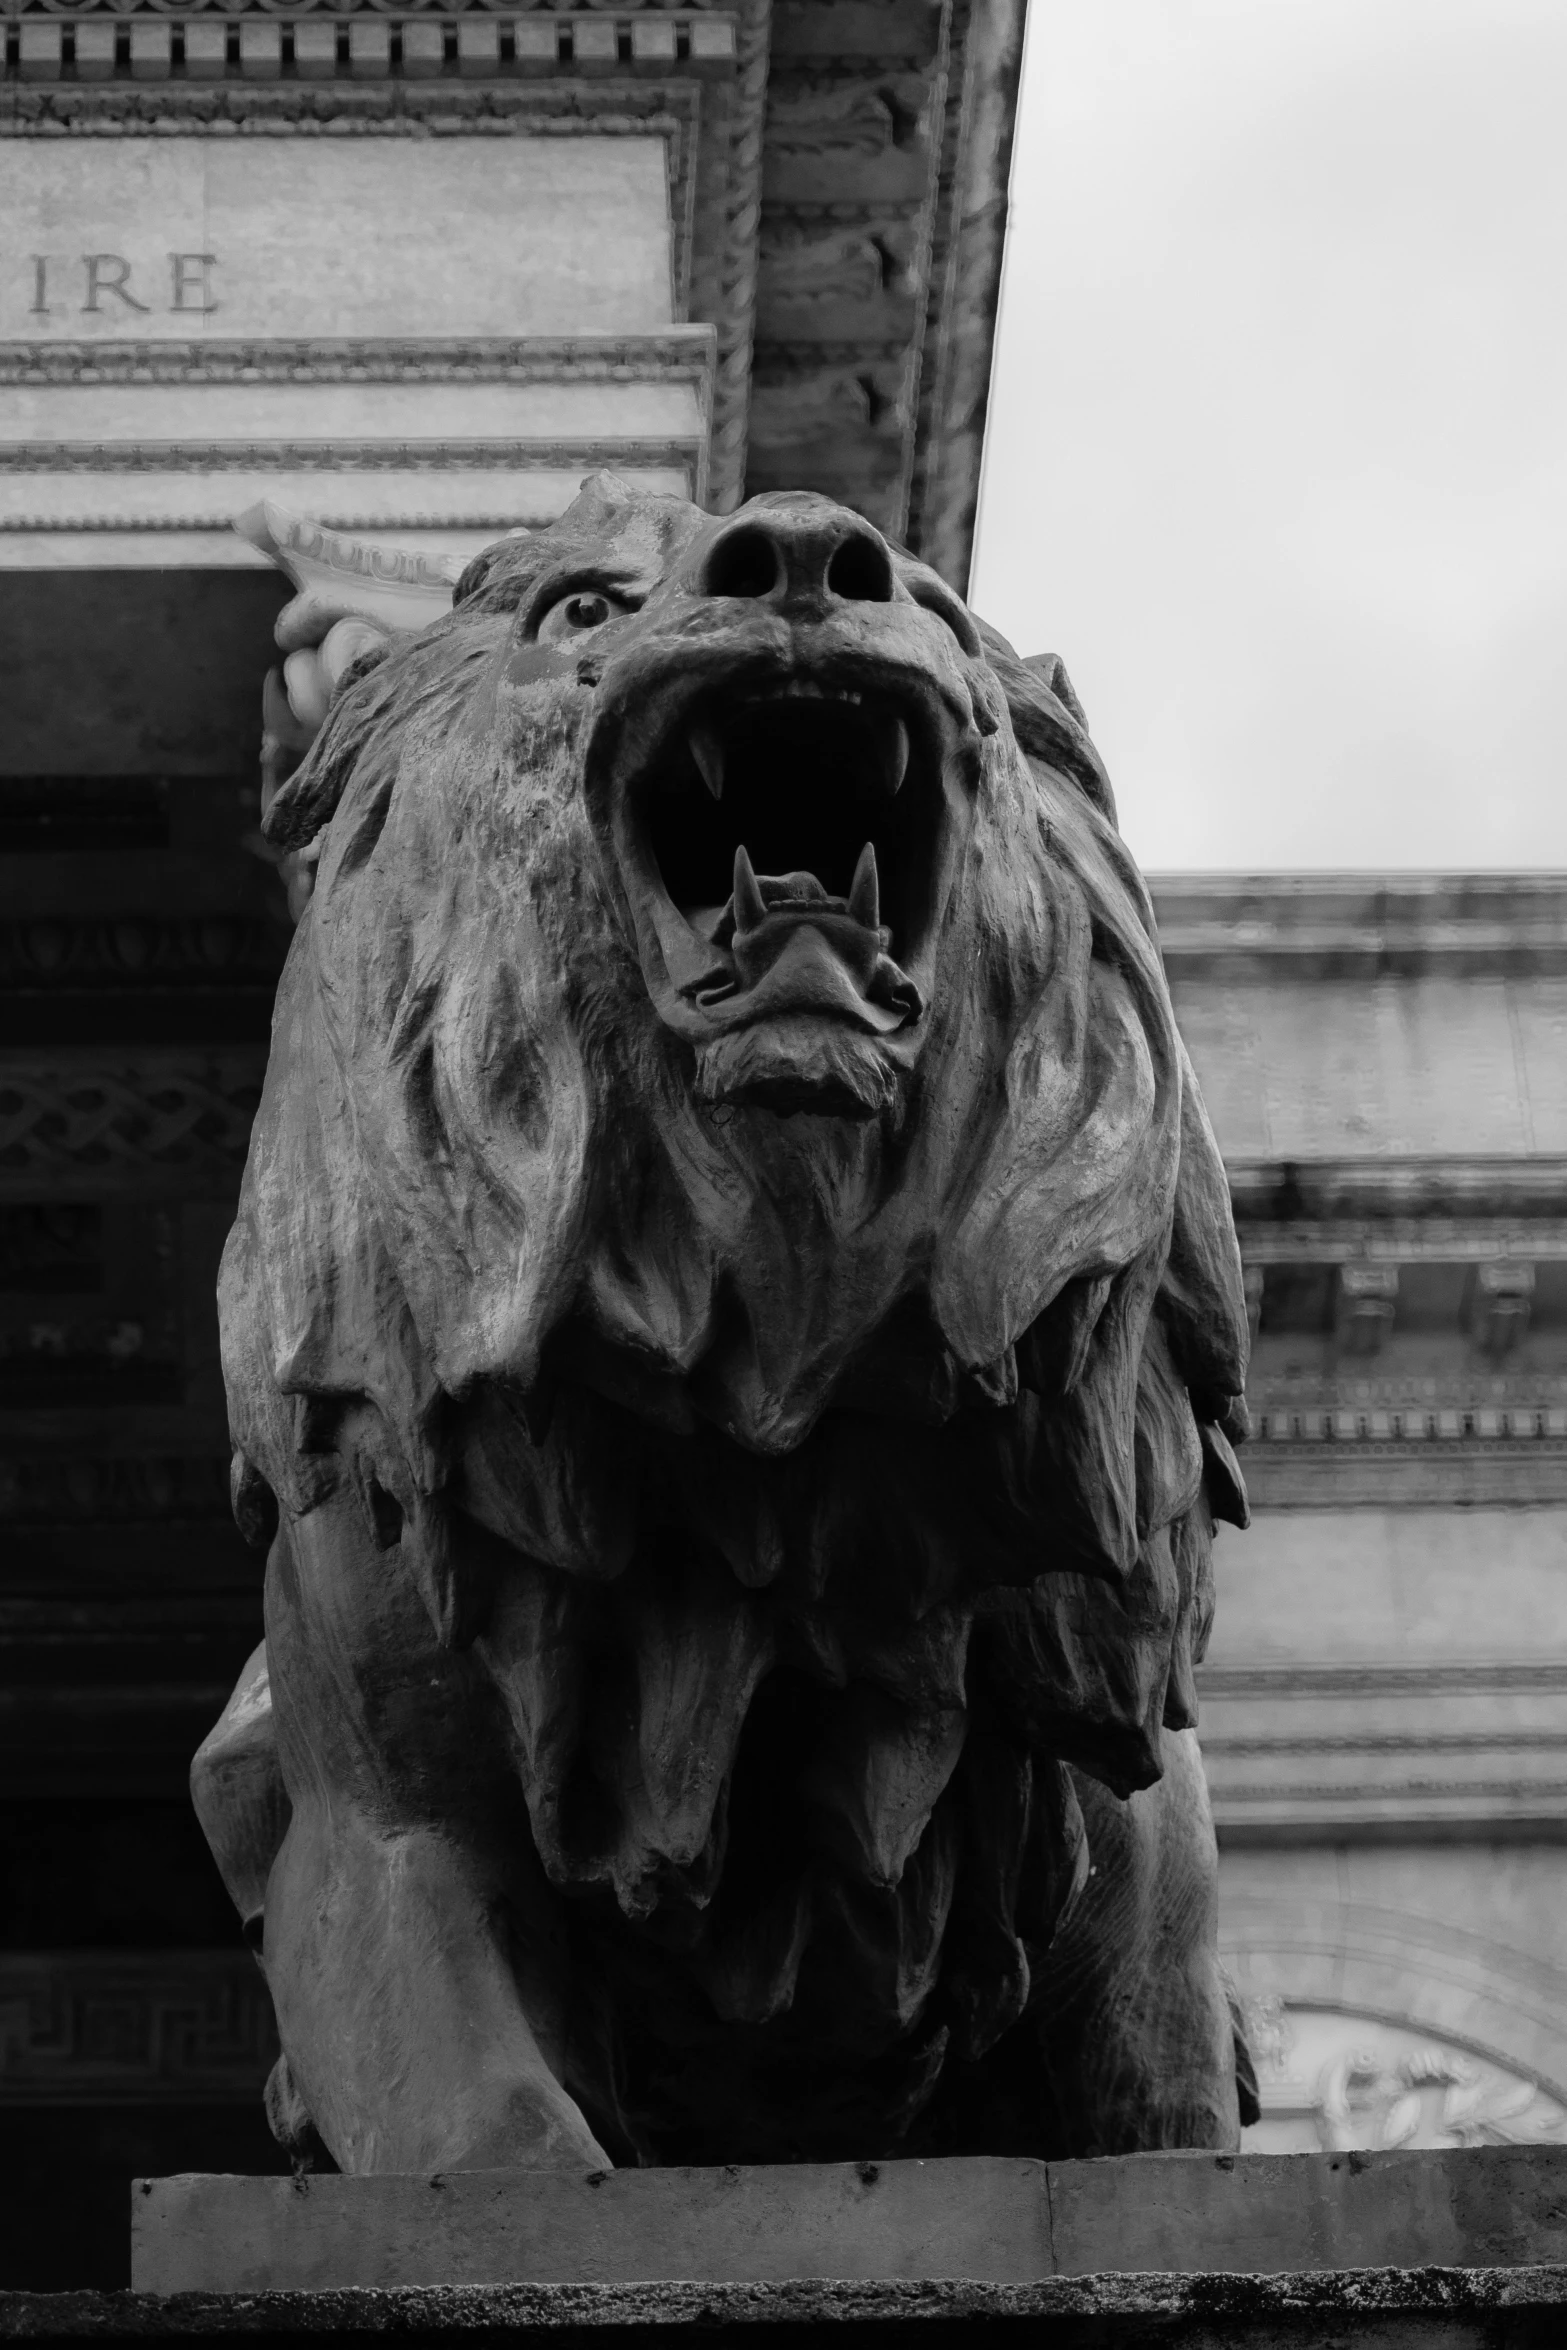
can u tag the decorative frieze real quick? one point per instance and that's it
(122, 12)
(133, 2028)
(375, 44)
(1412, 1421)
(82, 1126)
(137, 952)
(1530, 1473)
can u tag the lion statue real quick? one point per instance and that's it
(733, 1333)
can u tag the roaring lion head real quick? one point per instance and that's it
(731, 1206)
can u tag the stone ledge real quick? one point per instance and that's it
(1003, 2220)
(1390, 2308)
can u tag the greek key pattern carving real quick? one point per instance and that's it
(73, 1118)
(123, 2028)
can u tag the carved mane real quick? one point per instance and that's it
(695, 1423)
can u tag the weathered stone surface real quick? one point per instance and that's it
(1384, 2309)
(730, 1335)
(903, 2219)
(1006, 2222)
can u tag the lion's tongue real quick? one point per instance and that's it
(804, 973)
(771, 913)
(799, 949)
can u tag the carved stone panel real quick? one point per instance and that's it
(1331, 2082)
(424, 333)
(139, 238)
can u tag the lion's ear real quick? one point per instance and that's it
(1050, 670)
(1047, 717)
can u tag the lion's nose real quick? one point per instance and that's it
(805, 556)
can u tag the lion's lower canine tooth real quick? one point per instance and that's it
(865, 890)
(749, 905)
(897, 755)
(708, 752)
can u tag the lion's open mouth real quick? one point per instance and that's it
(794, 836)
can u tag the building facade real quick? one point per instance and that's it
(1382, 1705)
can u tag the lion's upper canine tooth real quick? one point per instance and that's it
(708, 752)
(865, 890)
(750, 908)
(895, 755)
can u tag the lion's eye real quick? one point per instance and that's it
(573, 615)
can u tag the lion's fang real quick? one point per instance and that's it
(750, 908)
(895, 756)
(708, 752)
(864, 891)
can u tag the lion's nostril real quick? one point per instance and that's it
(744, 562)
(861, 571)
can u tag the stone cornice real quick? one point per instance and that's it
(1482, 1190)
(418, 41)
(1314, 1751)
(144, 457)
(14, 12)
(1361, 925)
(1415, 1472)
(681, 354)
(1478, 1238)
(1417, 1678)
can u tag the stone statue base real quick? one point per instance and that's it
(1357, 2309)
(994, 2222)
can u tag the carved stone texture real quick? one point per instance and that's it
(1340, 2082)
(1366, 1304)
(1504, 1296)
(731, 1335)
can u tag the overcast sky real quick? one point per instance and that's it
(1278, 442)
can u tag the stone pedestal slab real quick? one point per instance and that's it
(997, 2221)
